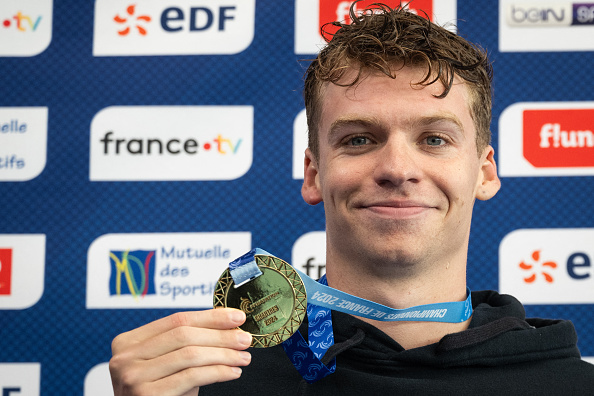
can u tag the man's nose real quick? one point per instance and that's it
(397, 163)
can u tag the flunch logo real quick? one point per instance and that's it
(132, 272)
(171, 143)
(533, 268)
(5, 271)
(563, 273)
(184, 27)
(339, 10)
(547, 139)
(310, 16)
(129, 20)
(559, 138)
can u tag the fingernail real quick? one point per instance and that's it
(245, 356)
(236, 370)
(238, 317)
(244, 338)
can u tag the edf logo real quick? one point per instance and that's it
(548, 266)
(186, 27)
(198, 19)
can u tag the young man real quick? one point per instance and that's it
(398, 113)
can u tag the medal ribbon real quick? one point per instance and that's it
(321, 298)
(307, 357)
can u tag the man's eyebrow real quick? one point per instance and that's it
(351, 122)
(447, 117)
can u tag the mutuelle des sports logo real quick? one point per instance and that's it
(310, 15)
(22, 269)
(547, 139)
(23, 142)
(181, 27)
(557, 25)
(132, 272)
(157, 143)
(548, 266)
(25, 27)
(168, 270)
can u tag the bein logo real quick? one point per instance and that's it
(550, 14)
(132, 273)
(559, 138)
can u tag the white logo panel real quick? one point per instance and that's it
(23, 142)
(160, 270)
(22, 270)
(20, 379)
(309, 254)
(308, 39)
(514, 155)
(25, 27)
(554, 25)
(98, 381)
(185, 27)
(300, 143)
(158, 143)
(548, 266)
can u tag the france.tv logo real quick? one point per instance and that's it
(25, 27)
(132, 272)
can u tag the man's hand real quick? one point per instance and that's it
(177, 354)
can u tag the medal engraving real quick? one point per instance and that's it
(274, 303)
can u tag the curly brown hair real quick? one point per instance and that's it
(380, 38)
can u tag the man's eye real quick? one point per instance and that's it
(358, 141)
(435, 141)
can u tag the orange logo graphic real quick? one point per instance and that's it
(529, 267)
(130, 20)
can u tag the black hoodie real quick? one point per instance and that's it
(501, 353)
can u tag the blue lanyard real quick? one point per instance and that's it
(307, 357)
(321, 299)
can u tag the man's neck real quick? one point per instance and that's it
(443, 283)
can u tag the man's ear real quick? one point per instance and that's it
(488, 183)
(310, 190)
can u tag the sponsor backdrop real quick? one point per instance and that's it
(145, 144)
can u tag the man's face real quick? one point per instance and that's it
(398, 170)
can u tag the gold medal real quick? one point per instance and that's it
(275, 303)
